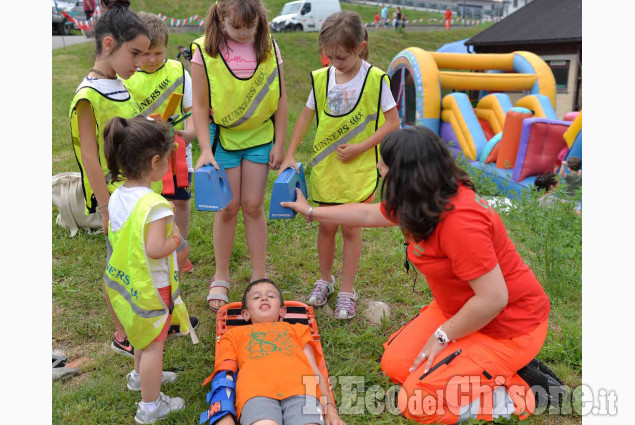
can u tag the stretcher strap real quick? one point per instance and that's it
(180, 163)
(168, 182)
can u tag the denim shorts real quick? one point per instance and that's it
(181, 193)
(231, 159)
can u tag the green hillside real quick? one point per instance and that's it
(186, 8)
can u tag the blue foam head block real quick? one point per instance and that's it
(284, 191)
(212, 191)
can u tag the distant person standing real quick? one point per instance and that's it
(377, 21)
(396, 18)
(89, 8)
(448, 18)
(384, 16)
(403, 22)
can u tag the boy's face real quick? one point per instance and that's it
(153, 59)
(263, 304)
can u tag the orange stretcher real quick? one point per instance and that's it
(229, 316)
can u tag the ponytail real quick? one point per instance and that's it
(130, 145)
(214, 32)
(120, 23)
(114, 134)
(365, 51)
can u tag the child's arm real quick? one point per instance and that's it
(562, 173)
(90, 159)
(300, 129)
(331, 416)
(280, 124)
(347, 152)
(157, 246)
(200, 114)
(189, 134)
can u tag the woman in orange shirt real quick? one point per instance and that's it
(457, 359)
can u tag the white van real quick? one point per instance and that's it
(304, 15)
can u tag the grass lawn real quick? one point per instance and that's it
(548, 239)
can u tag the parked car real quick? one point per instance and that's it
(75, 8)
(304, 15)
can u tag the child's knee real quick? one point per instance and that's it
(231, 210)
(328, 229)
(351, 233)
(252, 209)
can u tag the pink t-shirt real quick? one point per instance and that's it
(241, 58)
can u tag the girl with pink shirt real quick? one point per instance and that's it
(239, 95)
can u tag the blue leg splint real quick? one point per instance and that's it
(222, 398)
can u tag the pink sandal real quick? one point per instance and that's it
(217, 296)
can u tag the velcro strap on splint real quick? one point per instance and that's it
(223, 365)
(179, 159)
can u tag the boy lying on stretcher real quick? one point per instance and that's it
(279, 381)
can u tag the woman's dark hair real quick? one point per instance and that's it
(120, 23)
(242, 13)
(421, 179)
(130, 145)
(546, 181)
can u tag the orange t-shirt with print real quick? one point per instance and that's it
(468, 242)
(270, 360)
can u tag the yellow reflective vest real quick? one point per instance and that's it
(243, 107)
(133, 295)
(103, 108)
(152, 90)
(333, 181)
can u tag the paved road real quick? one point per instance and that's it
(59, 41)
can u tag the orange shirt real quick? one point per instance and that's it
(270, 360)
(467, 243)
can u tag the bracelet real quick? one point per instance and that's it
(177, 239)
(334, 406)
(103, 206)
(311, 214)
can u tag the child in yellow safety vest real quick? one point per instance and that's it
(152, 86)
(141, 277)
(121, 38)
(354, 110)
(240, 115)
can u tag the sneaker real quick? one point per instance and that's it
(175, 330)
(165, 405)
(122, 347)
(134, 384)
(188, 267)
(321, 291)
(548, 388)
(345, 308)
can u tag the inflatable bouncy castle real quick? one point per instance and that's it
(511, 143)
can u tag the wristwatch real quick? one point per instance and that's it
(441, 337)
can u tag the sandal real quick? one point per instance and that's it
(217, 296)
(321, 291)
(345, 308)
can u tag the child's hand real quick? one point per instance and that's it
(187, 136)
(275, 156)
(348, 152)
(206, 158)
(332, 418)
(288, 162)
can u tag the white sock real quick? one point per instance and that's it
(134, 374)
(149, 407)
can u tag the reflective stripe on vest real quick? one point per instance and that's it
(133, 295)
(243, 107)
(333, 181)
(153, 90)
(103, 109)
